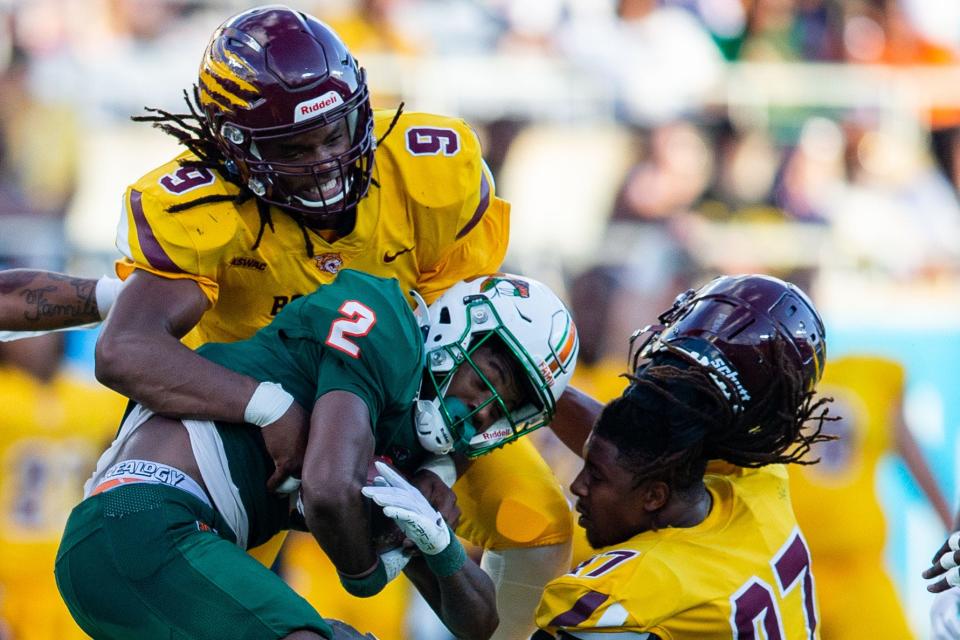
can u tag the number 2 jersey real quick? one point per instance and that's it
(744, 572)
(356, 335)
(430, 219)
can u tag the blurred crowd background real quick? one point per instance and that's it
(646, 146)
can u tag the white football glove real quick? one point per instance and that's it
(945, 615)
(404, 503)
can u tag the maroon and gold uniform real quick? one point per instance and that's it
(744, 572)
(50, 437)
(430, 219)
(842, 488)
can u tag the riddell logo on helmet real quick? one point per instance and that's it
(496, 434)
(315, 106)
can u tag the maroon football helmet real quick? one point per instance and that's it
(731, 326)
(271, 75)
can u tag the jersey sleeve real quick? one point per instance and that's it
(461, 227)
(480, 242)
(614, 592)
(187, 244)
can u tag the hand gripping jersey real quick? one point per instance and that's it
(432, 221)
(356, 335)
(744, 572)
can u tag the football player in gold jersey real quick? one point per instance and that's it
(288, 177)
(52, 427)
(683, 551)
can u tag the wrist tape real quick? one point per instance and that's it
(450, 560)
(105, 293)
(367, 584)
(444, 467)
(267, 404)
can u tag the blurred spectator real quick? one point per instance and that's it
(660, 59)
(595, 299)
(52, 429)
(38, 146)
(744, 171)
(791, 30)
(812, 171)
(673, 174)
(371, 27)
(837, 505)
(893, 211)
(881, 32)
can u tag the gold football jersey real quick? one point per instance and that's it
(50, 438)
(842, 486)
(430, 219)
(744, 572)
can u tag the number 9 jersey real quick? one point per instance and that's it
(430, 219)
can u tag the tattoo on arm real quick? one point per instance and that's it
(50, 300)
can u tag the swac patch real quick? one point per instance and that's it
(506, 287)
(329, 262)
(248, 263)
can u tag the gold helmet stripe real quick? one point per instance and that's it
(212, 85)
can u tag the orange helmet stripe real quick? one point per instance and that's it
(566, 349)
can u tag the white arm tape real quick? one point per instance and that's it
(954, 541)
(952, 577)
(444, 467)
(106, 292)
(267, 404)
(10, 336)
(393, 562)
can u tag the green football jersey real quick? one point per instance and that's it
(356, 334)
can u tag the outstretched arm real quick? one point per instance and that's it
(45, 300)
(576, 413)
(917, 464)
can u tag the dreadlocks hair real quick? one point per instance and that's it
(674, 418)
(658, 424)
(193, 131)
(782, 423)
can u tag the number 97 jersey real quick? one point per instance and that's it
(744, 572)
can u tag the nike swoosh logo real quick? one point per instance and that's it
(390, 257)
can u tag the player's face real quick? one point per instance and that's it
(608, 502)
(314, 153)
(473, 391)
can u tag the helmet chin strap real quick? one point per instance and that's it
(432, 430)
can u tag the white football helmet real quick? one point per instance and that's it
(535, 327)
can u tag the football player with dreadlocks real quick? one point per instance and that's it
(157, 546)
(684, 551)
(288, 177)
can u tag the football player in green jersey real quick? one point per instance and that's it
(157, 547)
